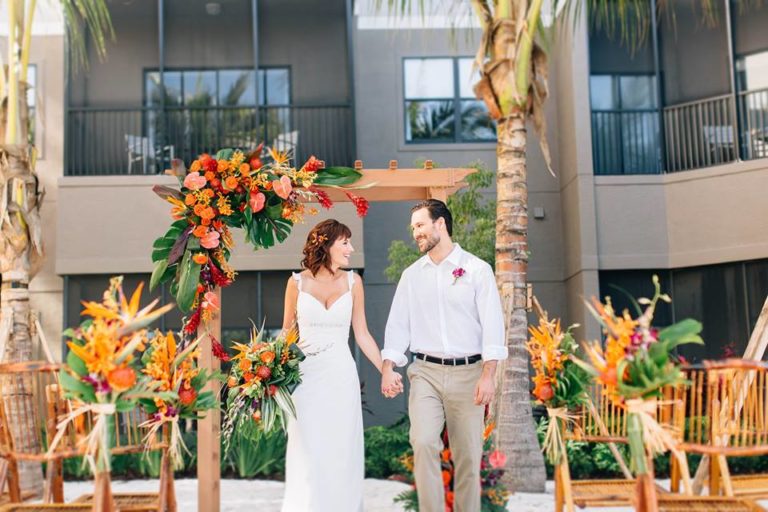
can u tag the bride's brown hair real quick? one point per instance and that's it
(318, 245)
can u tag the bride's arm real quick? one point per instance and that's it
(360, 326)
(291, 295)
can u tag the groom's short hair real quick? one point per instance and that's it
(436, 209)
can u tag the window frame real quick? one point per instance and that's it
(456, 101)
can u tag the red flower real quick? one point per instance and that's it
(263, 372)
(360, 203)
(312, 165)
(322, 198)
(193, 322)
(210, 165)
(218, 350)
(218, 277)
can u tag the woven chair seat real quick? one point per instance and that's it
(604, 493)
(671, 503)
(129, 501)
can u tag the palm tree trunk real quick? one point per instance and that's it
(516, 432)
(20, 256)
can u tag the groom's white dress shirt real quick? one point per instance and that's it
(437, 314)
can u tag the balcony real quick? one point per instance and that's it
(125, 141)
(692, 135)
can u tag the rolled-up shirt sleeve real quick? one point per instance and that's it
(397, 335)
(491, 316)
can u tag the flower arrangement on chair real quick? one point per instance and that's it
(104, 377)
(635, 364)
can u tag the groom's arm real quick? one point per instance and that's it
(491, 318)
(397, 334)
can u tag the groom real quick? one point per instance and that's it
(447, 311)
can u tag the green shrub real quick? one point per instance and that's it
(383, 448)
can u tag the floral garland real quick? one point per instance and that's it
(234, 190)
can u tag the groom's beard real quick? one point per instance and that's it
(428, 243)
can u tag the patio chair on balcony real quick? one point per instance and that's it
(143, 150)
(720, 143)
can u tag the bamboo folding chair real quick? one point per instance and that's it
(730, 400)
(30, 393)
(599, 421)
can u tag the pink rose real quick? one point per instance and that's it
(194, 181)
(497, 459)
(283, 187)
(257, 201)
(210, 240)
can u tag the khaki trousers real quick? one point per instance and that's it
(444, 395)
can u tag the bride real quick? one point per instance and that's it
(325, 458)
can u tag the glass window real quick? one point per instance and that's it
(601, 92)
(31, 102)
(222, 87)
(625, 124)
(237, 87)
(752, 71)
(440, 105)
(429, 78)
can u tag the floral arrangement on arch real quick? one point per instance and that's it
(494, 496)
(234, 189)
(263, 375)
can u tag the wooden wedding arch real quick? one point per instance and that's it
(392, 184)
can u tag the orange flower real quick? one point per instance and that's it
(446, 477)
(200, 231)
(267, 357)
(207, 213)
(222, 165)
(245, 365)
(231, 183)
(446, 455)
(121, 379)
(200, 258)
(205, 222)
(245, 169)
(196, 166)
(209, 175)
(488, 430)
(190, 199)
(217, 224)
(232, 382)
(210, 193)
(248, 376)
(199, 209)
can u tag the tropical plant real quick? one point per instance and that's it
(21, 244)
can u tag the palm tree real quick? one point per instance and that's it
(21, 246)
(513, 85)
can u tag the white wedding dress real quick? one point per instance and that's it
(324, 467)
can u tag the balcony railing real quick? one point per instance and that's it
(111, 141)
(698, 134)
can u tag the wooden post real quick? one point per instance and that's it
(209, 429)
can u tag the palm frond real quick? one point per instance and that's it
(91, 16)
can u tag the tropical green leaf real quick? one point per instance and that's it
(76, 364)
(157, 274)
(76, 388)
(188, 281)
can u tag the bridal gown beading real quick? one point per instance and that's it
(325, 460)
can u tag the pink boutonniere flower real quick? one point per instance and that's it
(458, 273)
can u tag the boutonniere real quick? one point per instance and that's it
(457, 274)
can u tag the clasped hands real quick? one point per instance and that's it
(391, 382)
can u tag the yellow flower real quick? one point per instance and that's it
(280, 158)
